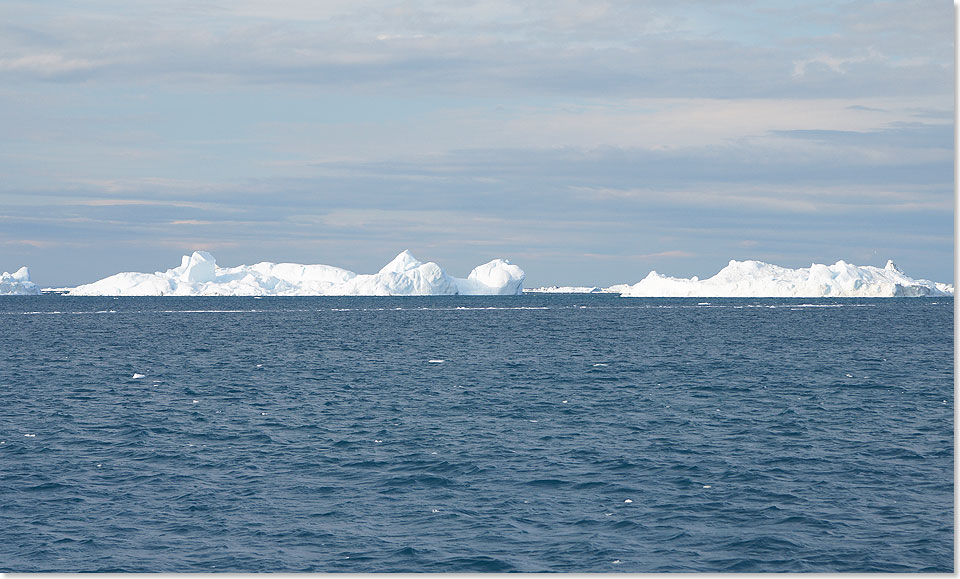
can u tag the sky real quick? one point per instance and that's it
(587, 142)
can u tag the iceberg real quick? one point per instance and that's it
(18, 284)
(199, 275)
(757, 279)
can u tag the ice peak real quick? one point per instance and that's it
(405, 261)
(892, 266)
(199, 267)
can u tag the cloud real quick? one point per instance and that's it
(619, 257)
(37, 243)
(141, 202)
(45, 65)
(839, 65)
(653, 49)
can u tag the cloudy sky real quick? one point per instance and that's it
(588, 142)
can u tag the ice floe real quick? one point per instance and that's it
(18, 284)
(199, 275)
(560, 289)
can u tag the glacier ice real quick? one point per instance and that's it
(758, 279)
(18, 283)
(198, 274)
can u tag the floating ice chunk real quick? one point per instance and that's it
(137, 376)
(758, 279)
(628, 501)
(617, 561)
(437, 361)
(706, 486)
(198, 274)
(18, 283)
(598, 365)
(30, 435)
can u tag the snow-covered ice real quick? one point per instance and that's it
(199, 275)
(18, 284)
(758, 279)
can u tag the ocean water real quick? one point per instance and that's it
(582, 433)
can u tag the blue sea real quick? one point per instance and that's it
(585, 433)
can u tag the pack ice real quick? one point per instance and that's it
(759, 279)
(565, 289)
(18, 284)
(199, 275)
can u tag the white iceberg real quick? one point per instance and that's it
(199, 275)
(758, 279)
(18, 284)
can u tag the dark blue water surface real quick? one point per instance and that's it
(559, 433)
